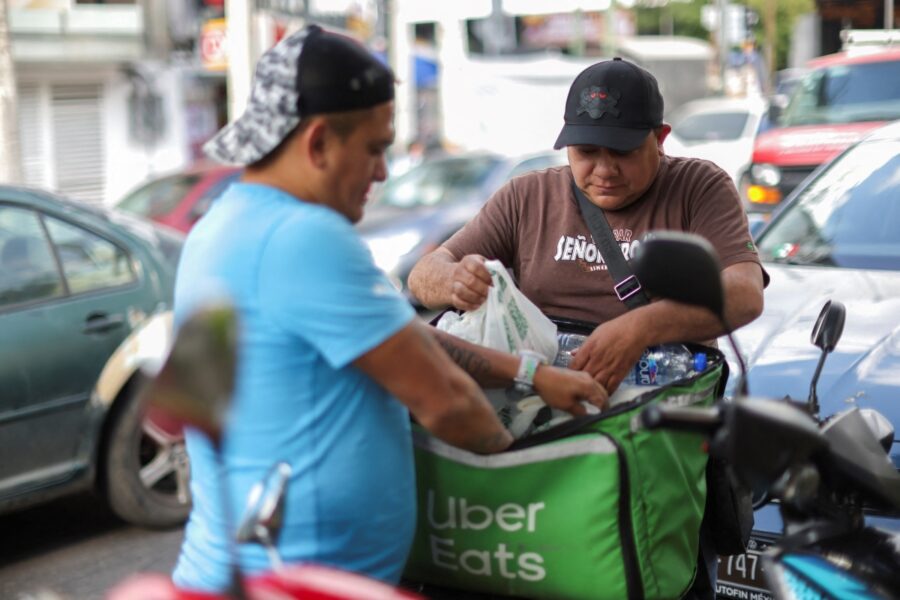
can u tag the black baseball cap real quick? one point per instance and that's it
(312, 71)
(614, 104)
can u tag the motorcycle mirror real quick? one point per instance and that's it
(825, 334)
(681, 267)
(829, 326)
(264, 514)
(196, 381)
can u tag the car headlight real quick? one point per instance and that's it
(765, 174)
(388, 250)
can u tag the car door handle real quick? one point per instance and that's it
(102, 322)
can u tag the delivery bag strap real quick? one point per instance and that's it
(625, 283)
(729, 509)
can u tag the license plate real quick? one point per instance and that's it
(741, 576)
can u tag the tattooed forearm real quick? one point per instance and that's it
(470, 362)
(493, 443)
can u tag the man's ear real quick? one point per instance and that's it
(663, 132)
(316, 142)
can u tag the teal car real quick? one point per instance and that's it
(85, 303)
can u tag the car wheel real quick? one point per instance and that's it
(146, 469)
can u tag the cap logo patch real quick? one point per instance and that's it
(596, 101)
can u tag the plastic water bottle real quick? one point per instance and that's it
(666, 363)
(567, 343)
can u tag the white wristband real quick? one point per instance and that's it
(524, 380)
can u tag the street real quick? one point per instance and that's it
(77, 549)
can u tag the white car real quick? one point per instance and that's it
(721, 130)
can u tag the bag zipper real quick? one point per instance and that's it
(576, 425)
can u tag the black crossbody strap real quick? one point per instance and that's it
(627, 286)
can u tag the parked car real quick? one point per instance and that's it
(721, 130)
(414, 213)
(836, 238)
(842, 97)
(179, 199)
(85, 297)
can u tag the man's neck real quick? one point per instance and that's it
(300, 188)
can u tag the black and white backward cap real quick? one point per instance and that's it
(309, 72)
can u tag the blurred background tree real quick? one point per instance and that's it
(670, 18)
(786, 13)
(683, 18)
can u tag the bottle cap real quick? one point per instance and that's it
(700, 362)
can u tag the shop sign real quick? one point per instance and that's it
(293, 8)
(213, 45)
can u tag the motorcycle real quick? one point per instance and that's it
(823, 472)
(193, 387)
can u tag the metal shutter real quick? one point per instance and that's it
(35, 170)
(78, 140)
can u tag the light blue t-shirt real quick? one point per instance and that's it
(310, 301)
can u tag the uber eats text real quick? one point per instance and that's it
(457, 513)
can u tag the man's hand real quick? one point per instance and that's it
(440, 395)
(469, 282)
(614, 347)
(566, 389)
(610, 352)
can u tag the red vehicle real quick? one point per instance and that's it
(843, 97)
(179, 199)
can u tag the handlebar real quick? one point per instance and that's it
(681, 418)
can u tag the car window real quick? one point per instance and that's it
(159, 197)
(28, 270)
(437, 182)
(709, 127)
(214, 191)
(846, 93)
(89, 261)
(848, 216)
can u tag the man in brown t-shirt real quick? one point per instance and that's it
(614, 135)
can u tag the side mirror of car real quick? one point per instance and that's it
(775, 109)
(756, 223)
(200, 208)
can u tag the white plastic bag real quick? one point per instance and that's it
(510, 322)
(507, 321)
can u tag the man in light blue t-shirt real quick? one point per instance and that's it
(332, 359)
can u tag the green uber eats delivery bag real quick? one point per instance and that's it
(593, 508)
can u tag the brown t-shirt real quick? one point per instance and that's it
(533, 224)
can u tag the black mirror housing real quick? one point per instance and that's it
(681, 267)
(829, 326)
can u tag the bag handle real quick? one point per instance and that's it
(628, 288)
